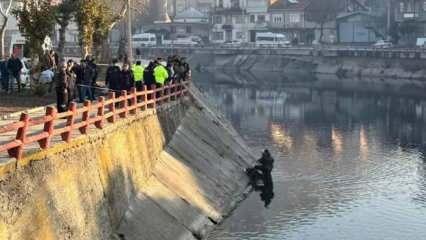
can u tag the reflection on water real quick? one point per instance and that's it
(348, 164)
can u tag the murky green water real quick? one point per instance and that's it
(350, 161)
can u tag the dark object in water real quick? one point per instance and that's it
(261, 178)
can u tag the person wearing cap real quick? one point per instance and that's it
(138, 72)
(160, 74)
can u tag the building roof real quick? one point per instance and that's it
(351, 14)
(289, 5)
(190, 13)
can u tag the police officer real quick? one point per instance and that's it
(138, 72)
(160, 74)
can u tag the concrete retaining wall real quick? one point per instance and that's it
(288, 63)
(170, 174)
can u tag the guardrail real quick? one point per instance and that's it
(307, 47)
(80, 118)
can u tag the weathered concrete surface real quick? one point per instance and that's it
(166, 174)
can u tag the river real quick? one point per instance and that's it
(350, 160)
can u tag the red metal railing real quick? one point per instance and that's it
(105, 110)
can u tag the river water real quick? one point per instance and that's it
(350, 161)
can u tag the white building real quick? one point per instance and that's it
(238, 20)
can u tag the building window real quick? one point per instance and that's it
(228, 20)
(188, 29)
(217, 36)
(239, 19)
(235, 3)
(217, 19)
(220, 4)
(278, 19)
(252, 18)
(240, 35)
(261, 18)
(294, 17)
(401, 7)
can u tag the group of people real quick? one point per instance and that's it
(10, 70)
(73, 80)
(138, 76)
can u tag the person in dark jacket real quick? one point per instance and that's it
(86, 78)
(72, 78)
(148, 75)
(262, 172)
(78, 77)
(127, 79)
(61, 86)
(91, 63)
(4, 75)
(113, 76)
(15, 66)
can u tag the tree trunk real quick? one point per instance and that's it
(106, 51)
(62, 39)
(2, 36)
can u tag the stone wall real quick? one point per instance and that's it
(166, 174)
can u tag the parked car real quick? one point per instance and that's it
(233, 43)
(25, 76)
(25, 73)
(186, 41)
(382, 44)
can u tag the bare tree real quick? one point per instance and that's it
(322, 12)
(5, 13)
(64, 13)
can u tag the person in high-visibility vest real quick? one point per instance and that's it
(138, 70)
(160, 74)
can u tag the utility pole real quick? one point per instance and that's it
(388, 15)
(129, 33)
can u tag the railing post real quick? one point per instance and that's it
(21, 135)
(124, 105)
(174, 91)
(48, 127)
(66, 136)
(86, 117)
(111, 107)
(169, 91)
(101, 111)
(133, 101)
(145, 98)
(154, 96)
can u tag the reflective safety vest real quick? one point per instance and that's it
(160, 74)
(138, 72)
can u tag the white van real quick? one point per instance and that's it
(144, 39)
(271, 39)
